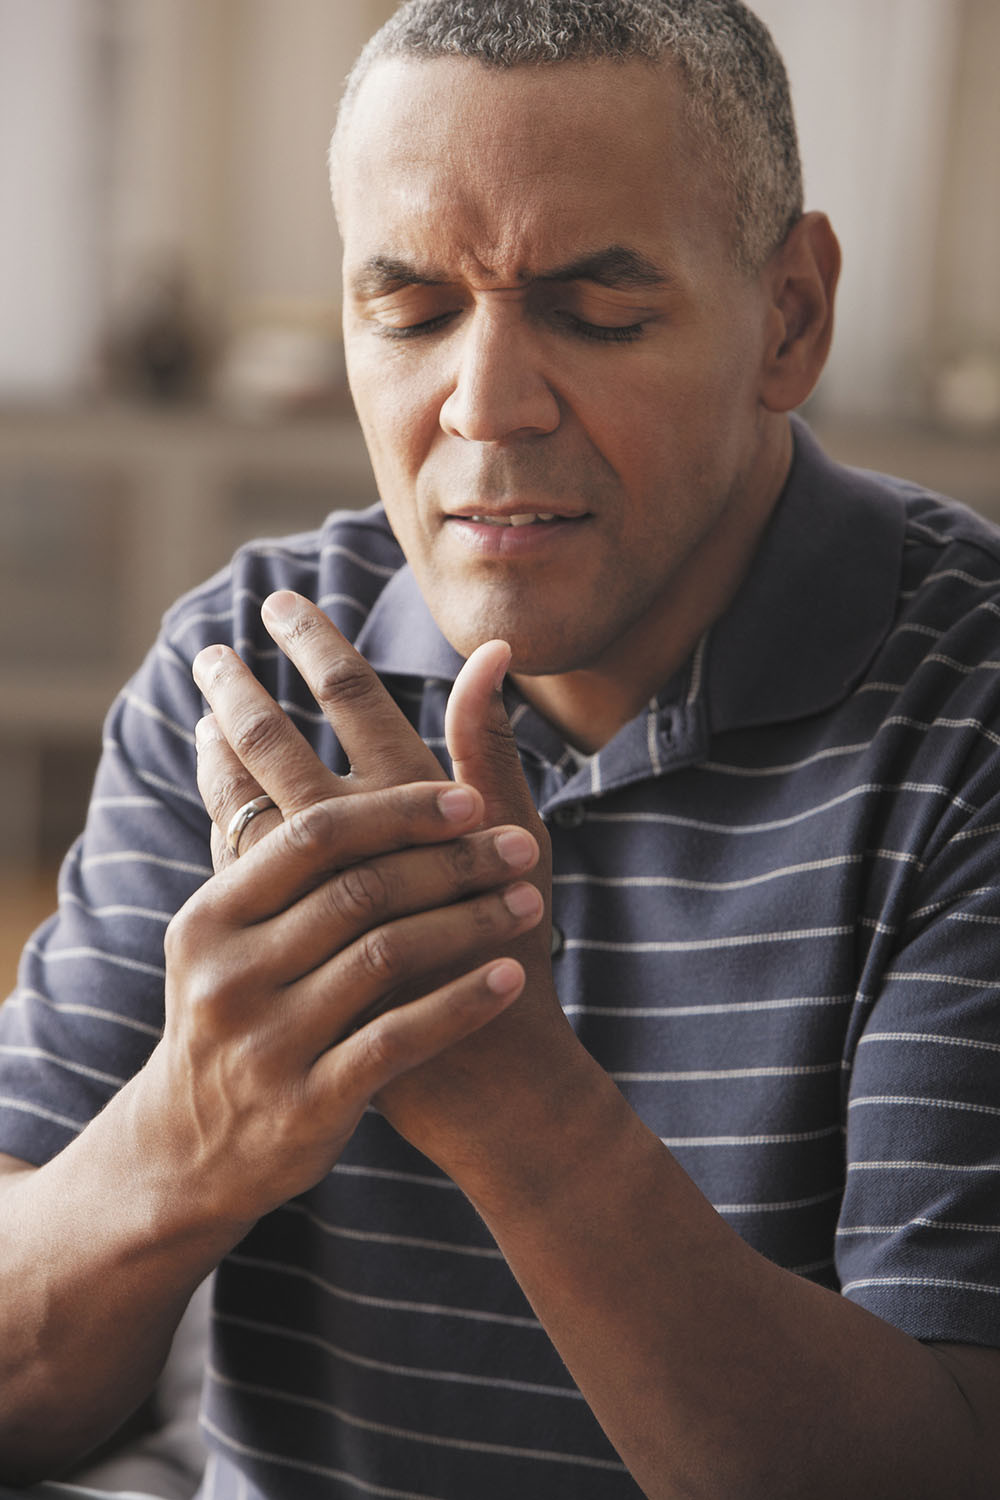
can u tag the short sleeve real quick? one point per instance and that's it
(88, 1007)
(918, 1241)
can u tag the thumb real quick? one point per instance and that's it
(479, 737)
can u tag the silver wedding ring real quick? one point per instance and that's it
(242, 817)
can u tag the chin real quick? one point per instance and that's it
(543, 644)
(530, 656)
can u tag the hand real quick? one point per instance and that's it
(354, 940)
(442, 1108)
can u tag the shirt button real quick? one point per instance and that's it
(569, 815)
(558, 941)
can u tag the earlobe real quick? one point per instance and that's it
(804, 272)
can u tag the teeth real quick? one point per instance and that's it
(525, 518)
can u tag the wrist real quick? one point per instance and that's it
(533, 1136)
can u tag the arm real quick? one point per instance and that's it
(715, 1373)
(322, 925)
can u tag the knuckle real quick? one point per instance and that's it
(380, 1046)
(310, 829)
(175, 938)
(347, 679)
(359, 894)
(229, 791)
(410, 807)
(185, 930)
(500, 741)
(256, 733)
(483, 914)
(462, 859)
(378, 956)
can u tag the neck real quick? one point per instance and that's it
(588, 706)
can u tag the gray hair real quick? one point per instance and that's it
(736, 87)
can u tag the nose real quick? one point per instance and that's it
(499, 390)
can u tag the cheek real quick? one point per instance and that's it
(398, 411)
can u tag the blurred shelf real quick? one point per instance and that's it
(25, 901)
(966, 468)
(109, 511)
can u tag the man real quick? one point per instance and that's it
(702, 1114)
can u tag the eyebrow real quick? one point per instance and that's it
(382, 274)
(615, 266)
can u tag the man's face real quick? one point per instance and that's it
(554, 361)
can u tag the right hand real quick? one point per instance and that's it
(290, 978)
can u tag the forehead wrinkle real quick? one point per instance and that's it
(615, 266)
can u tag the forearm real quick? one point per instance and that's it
(100, 1251)
(716, 1375)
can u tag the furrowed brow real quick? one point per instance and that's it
(383, 274)
(616, 266)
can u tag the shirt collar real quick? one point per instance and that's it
(400, 638)
(817, 602)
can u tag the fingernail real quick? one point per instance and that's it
(516, 848)
(523, 900)
(504, 978)
(206, 731)
(206, 661)
(457, 804)
(502, 670)
(281, 606)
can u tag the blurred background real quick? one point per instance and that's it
(171, 377)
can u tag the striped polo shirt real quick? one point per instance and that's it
(777, 909)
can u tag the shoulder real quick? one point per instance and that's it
(946, 542)
(934, 561)
(949, 588)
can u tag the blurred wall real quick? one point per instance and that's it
(140, 139)
(224, 111)
(142, 134)
(872, 83)
(51, 197)
(899, 119)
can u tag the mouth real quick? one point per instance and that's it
(507, 517)
(522, 518)
(515, 533)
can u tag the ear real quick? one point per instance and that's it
(802, 281)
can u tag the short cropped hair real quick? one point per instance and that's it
(736, 87)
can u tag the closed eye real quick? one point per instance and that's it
(604, 333)
(399, 331)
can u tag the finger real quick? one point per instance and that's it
(402, 1039)
(226, 786)
(382, 746)
(479, 737)
(369, 895)
(390, 962)
(310, 845)
(275, 756)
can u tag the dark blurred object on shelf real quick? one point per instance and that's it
(162, 348)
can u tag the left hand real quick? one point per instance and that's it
(472, 1092)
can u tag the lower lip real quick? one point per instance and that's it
(513, 541)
